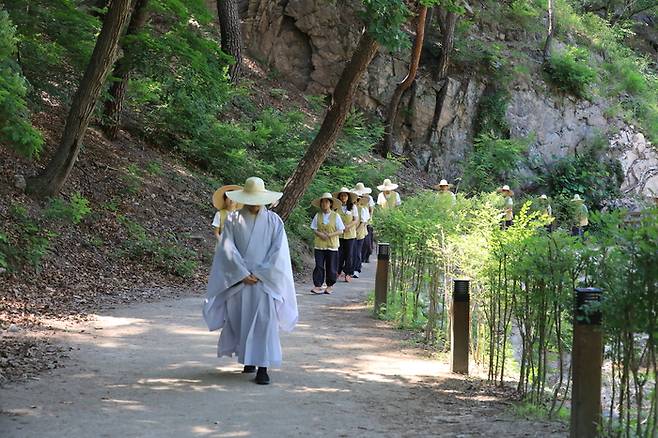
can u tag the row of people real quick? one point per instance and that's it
(343, 232)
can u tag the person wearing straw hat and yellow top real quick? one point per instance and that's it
(350, 217)
(361, 232)
(224, 206)
(544, 207)
(446, 197)
(508, 206)
(580, 216)
(327, 226)
(361, 190)
(251, 292)
(387, 197)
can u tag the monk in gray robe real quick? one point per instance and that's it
(251, 292)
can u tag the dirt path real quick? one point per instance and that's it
(150, 370)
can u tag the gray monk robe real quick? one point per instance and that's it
(250, 316)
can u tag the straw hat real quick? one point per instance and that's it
(218, 196)
(506, 188)
(254, 193)
(544, 197)
(352, 195)
(387, 186)
(360, 189)
(577, 199)
(443, 183)
(335, 203)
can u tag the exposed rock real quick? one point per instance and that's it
(639, 161)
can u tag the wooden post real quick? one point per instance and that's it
(459, 327)
(381, 277)
(586, 362)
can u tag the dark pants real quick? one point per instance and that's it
(366, 251)
(577, 231)
(358, 248)
(506, 224)
(326, 265)
(346, 256)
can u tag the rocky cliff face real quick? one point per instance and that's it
(309, 42)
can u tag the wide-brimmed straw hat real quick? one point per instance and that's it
(506, 188)
(577, 199)
(360, 189)
(335, 202)
(351, 194)
(387, 186)
(218, 196)
(544, 197)
(443, 183)
(254, 193)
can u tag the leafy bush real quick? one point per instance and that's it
(16, 129)
(73, 211)
(24, 243)
(569, 71)
(494, 161)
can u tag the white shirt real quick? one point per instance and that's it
(381, 199)
(365, 214)
(340, 226)
(216, 222)
(371, 201)
(355, 212)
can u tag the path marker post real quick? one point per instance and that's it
(381, 277)
(459, 326)
(586, 363)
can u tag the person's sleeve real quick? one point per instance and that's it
(371, 201)
(216, 220)
(355, 212)
(340, 226)
(381, 200)
(365, 215)
(314, 223)
(398, 201)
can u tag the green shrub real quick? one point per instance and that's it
(24, 243)
(72, 211)
(494, 161)
(569, 71)
(16, 129)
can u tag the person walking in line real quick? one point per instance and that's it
(580, 216)
(388, 198)
(447, 199)
(251, 292)
(361, 232)
(508, 206)
(224, 206)
(350, 216)
(361, 190)
(327, 226)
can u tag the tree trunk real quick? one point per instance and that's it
(331, 127)
(229, 24)
(53, 177)
(551, 31)
(394, 105)
(441, 74)
(114, 105)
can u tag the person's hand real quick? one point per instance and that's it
(325, 236)
(250, 279)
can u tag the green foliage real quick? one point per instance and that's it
(162, 254)
(154, 168)
(587, 172)
(24, 242)
(72, 211)
(16, 129)
(492, 108)
(494, 161)
(569, 71)
(384, 19)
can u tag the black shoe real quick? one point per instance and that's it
(261, 376)
(249, 369)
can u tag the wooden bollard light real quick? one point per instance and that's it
(586, 363)
(381, 277)
(460, 322)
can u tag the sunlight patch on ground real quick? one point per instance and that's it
(309, 390)
(115, 321)
(128, 405)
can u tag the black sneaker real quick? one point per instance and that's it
(249, 369)
(261, 376)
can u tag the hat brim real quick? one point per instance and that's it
(218, 196)
(384, 188)
(353, 196)
(334, 204)
(438, 186)
(501, 190)
(260, 198)
(365, 191)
